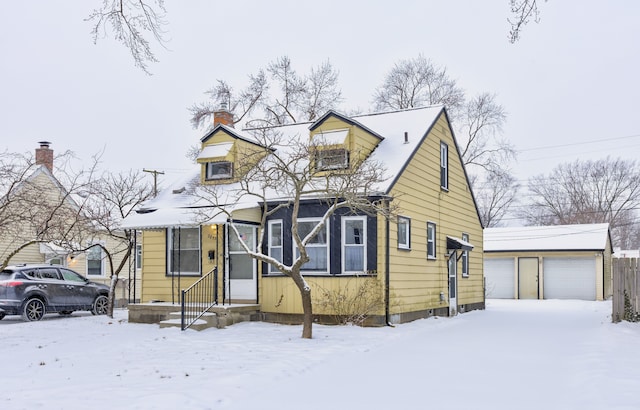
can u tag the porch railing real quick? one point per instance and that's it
(198, 298)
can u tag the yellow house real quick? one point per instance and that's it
(548, 262)
(425, 260)
(50, 192)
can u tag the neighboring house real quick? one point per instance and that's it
(548, 262)
(422, 262)
(626, 253)
(92, 263)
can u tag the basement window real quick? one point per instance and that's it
(219, 170)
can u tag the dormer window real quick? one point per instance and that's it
(219, 170)
(328, 159)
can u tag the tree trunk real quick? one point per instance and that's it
(308, 313)
(307, 308)
(112, 295)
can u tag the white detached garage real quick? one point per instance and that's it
(548, 262)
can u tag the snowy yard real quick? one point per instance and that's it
(514, 355)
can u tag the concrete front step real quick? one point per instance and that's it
(206, 321)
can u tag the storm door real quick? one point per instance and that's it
(242, 275)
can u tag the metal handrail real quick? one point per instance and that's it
(198, 298)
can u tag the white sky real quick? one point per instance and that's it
(572, 79)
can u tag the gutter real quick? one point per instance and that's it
(387, 315)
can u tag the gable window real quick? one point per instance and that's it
(183, 250)
(275, 243)
(431, 240)
(465, 258)
(354, 244)
(327, 159)
(444, 165)
(317, 248)
(95, 265)
(219, 170)
(404, 232)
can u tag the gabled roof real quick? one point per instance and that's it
(241, 135)
(394, 151)
(585, 237)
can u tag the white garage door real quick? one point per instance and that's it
(570, 278)
(499, 275)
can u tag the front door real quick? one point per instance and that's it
(528, 278)
(242, 275)
(453, 284)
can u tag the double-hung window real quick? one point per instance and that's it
(354, 244)
(404, 232)
(444, 166)
(138, 256)
(465, 258)
(184, 250)
(95, 261)
(335, 158)
(317, 248)
(275, 243)
(431, 240)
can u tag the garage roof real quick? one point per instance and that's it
(547, 238)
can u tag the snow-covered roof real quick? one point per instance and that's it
(215, 150)
(547, 238)
(400, 133)
(626, 253)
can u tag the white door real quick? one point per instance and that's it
(500, 278)
(241, 268)
(569, 278)
(453, 284)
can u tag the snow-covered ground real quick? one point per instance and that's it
(514, 355)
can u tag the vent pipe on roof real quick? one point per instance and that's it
(406, 137)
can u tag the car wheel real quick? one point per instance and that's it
(65, 312)
(2, 315)
(33, 310)
(100, 305)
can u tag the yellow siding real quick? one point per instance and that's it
(416, 283)
(280, 294)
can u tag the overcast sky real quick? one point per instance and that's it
(570, 85)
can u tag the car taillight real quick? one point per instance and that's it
(11, 283)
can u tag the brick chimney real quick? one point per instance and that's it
(223, 116)
(44, 155)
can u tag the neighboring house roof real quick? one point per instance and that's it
(400, 134)
(547, 238)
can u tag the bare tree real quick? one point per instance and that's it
(108, 200)
(130, 21)
(276, 95)
(522, 12)
(495, 195)
(605, 190)
(418, 82)
(480, 127)
(282, 175)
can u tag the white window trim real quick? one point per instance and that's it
(343, 244)
(138, 256)
(444, 165)
(407, 239)
(271, 268)
(465, 258)
(328, 246)
(102, 260)
(170, 250)
(433, 240)
(342, 161)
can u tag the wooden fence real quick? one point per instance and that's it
(626, 289)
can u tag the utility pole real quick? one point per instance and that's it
(155, 179)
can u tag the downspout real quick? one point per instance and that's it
(387, 315)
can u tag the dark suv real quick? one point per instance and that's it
(33, 290)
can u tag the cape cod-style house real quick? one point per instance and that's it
(426, 260)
